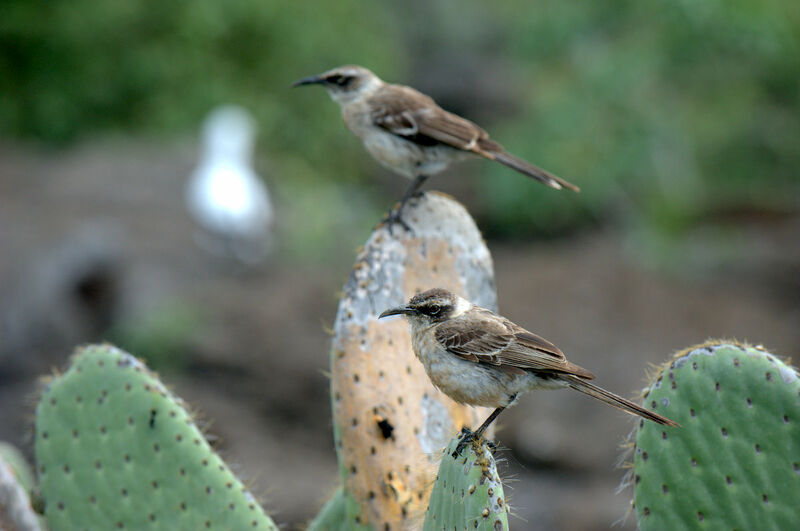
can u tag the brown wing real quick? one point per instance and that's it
(412, 115)
(408, 113)
(483, 337)
(480, 341)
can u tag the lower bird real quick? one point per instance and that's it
(479, 358)
(408, 133)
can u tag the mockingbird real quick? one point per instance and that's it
(407, 132)
(479, 358)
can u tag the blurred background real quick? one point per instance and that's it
(678, 120)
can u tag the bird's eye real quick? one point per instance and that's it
(343, 81)
(434, 309)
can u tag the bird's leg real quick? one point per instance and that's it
(469, 436)
(413, 190)
(479, 432)
(394, 214)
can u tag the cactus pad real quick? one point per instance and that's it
(468, 493)
(116, 450)
(389, 421)
(735, 462)
(334, 515)
(16, 483)
(19, 465)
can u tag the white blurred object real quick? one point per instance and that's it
(225, 196)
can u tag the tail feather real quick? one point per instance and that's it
(530, 170)
(616, 401)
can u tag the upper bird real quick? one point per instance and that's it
(479, 358)
(407, 132)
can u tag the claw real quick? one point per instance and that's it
(394, 217)
(394, 214)
(467, 436)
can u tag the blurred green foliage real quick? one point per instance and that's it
(158, 66)
(665, 113)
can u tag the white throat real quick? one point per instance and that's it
(462, 306)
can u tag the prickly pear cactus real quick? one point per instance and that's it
(468, 493)
(333, 516)
(735, 462)
(19, 465)
(116, 450)
(16, 482)
(389, 421)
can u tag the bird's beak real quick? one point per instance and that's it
(401, 310)
(311, 80)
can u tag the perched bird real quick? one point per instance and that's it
(479, 358)
(225, 196)
(407, 132)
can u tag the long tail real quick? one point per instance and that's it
(613, 400)
(530, 170)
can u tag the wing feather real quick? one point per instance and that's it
(408, 113)
(412, 115)
(500, 343)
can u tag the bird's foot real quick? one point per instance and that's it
(470, 437)
(467, 437)
(393, 217)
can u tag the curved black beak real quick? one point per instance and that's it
(311, 80)
(401, 310)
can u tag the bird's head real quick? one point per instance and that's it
(432, 306)
(344, 83)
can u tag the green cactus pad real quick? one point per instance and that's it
(468, 493)
(14, 458)
(735, 462)
(116, 450)
(335, 514)
(332, 515)
(16, 483)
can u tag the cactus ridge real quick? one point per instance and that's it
(115, 449)
(468, 493)
(734, 462)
